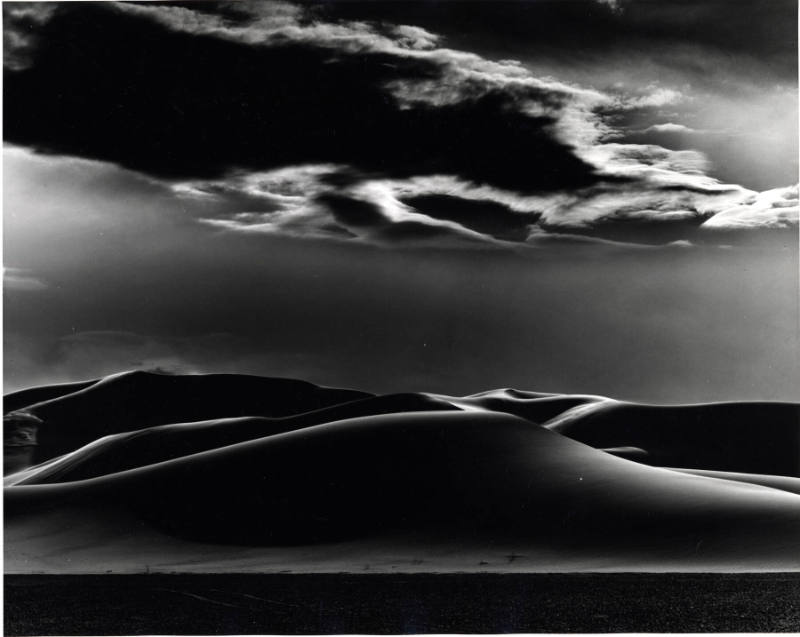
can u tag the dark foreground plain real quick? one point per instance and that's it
(395, 604)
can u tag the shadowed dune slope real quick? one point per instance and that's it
(465, 473)
(136, 400)
(744, 437)
(130, 450)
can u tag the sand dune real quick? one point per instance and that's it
(409, 481)
(135, 400)
(129, 450)
(746, 437)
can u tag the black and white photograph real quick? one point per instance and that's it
(400, 317)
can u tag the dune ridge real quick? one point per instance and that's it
(562, 482)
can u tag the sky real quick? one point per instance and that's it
(580, 196)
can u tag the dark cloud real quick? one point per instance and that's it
(353, 212)
(730, 66)
(123, 88)
(280, 118)
(766, 30)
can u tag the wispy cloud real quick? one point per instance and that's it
(20, 21)
(777, 208)
(22, 280)
(669, 127)
(652, 97)
(659, 197)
